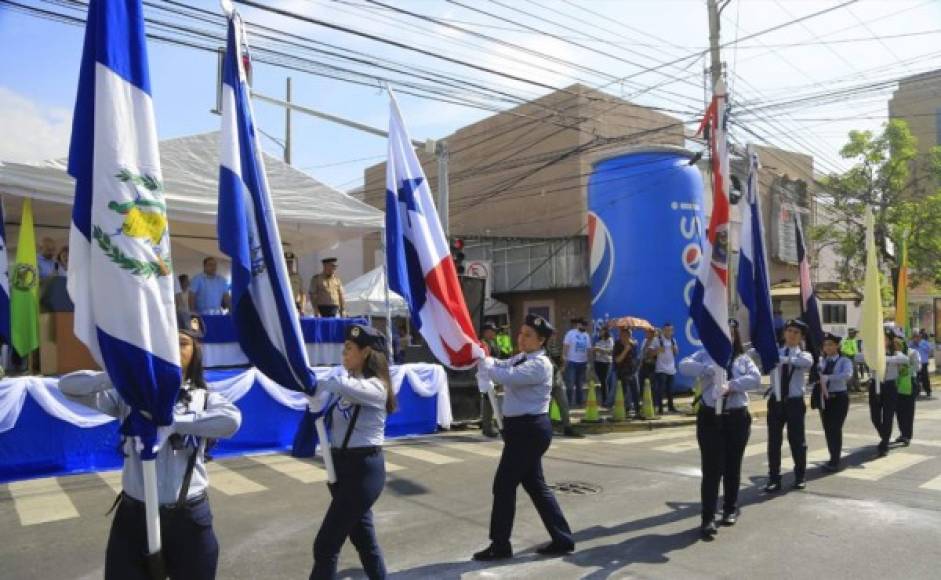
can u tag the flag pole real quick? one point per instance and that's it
(151, 506)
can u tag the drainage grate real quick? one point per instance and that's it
(575, 488)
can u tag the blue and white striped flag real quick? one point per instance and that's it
(754, 287)
(4, 281)
(266, 320)
(120, 277)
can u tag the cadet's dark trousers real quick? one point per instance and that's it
(882, 410)
(924, 379)
(791, 414)
(361, 475)
(526, 439)
(905, 413)
(190, 549)
(722, 440)
(833, 417)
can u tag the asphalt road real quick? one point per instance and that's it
(880, 518)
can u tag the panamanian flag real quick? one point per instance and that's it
(709, 307)
(263, 311)
(754, 286)
(418, 255)
(120, 276)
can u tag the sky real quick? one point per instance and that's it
(607, 38)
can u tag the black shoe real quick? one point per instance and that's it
(773, 486)
(708, 529)
(570, 432)
(882, 450)
(800, 484)
(493, 552)
(556, 549)
(906, 442)
(730, 518)
(491, 434)
(832, 466)
(900, 440)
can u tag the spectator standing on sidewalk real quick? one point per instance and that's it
(575, 348)
(667, 350)
(625, 368)
(602, 353)
(849, 347)
(648, 359)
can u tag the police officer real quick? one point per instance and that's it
(836, 370)
(786, 407)
(358, 421)
(190, 549)
(908, 392)
(882, 405)
(527, 433)
(722, 434)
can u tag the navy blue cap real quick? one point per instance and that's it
(364, 336)
(798, 324)
(540, 325)
(832, 337)
(490, 326)
(191, 325)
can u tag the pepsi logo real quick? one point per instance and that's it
(692, 256)
(601, 256)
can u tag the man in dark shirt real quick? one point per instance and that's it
(625, 367)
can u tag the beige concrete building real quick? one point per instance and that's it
(518, 193)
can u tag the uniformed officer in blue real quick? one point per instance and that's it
(835, 371)
(786, 407)
(190, 549)
(722, 430)
(882, 404)
(358, 422)
(527, 433)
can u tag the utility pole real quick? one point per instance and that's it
(287, 123)
(444, 198)
(715, 60)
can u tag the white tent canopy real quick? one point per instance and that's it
(365, 296)
(311, 216)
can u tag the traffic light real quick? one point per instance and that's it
(457, 254)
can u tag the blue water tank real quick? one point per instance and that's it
(645, 222)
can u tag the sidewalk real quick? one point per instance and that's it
(684, 417)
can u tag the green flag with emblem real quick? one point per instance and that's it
(24, 287)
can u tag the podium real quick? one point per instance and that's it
(60, 351)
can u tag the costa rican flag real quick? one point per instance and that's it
(265, 318)
(709, 307)
(120, 275)
(754, 286)
(418, 257)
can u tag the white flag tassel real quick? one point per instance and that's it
(120, 275)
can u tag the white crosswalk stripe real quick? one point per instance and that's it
(113, 479)
(302, 471)
(680, 447)
(481, 449)
(38, 501)
(659, 435)
(934, 484)
(423, 455)
(884, 466)
(230, 482)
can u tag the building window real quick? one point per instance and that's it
(834, 313)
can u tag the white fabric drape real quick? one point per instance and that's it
(427, 380)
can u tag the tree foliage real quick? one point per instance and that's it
(902, 187)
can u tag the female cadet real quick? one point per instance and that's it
(190, 550)
(358, 423)
(882, 406)
(786, 407)
(722, 436)
(835, 370)
(908, 392)
(527, 433)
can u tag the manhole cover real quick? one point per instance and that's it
(575, 488)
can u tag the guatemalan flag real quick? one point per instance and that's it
(418, 256)
(709, 307)
(120, 275)
(810, 312)
(266, 320)
(754, 286)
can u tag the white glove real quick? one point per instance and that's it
(486, 364)
(317, 403)
(709, 371)
(484, 384)
(722, 389)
